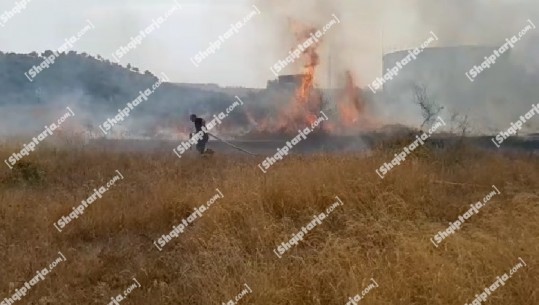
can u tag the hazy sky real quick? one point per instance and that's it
(366, 29)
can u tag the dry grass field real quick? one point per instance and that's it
(382, 231)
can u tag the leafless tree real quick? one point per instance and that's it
(429, 108)
(460, 123)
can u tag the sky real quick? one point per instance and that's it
(367, 30)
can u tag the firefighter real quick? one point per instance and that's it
(200, 126)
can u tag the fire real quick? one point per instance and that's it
(353, 108)
(307, 101)
(351, 105)
(306, 104)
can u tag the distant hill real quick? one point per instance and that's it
(97, 88)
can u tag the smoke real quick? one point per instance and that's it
(369, 29)
(369, 26)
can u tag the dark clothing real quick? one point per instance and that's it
(201, 145)
(199, 123)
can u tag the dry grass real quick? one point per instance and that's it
(381, 232)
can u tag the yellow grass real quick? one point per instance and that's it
(382, 231)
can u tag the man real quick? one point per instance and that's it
(199, 124)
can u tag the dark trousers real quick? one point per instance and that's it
(201, 145)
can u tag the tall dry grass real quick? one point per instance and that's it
(382, 231)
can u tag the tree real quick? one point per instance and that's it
(460, 123)
(47, 53)
(429, 108)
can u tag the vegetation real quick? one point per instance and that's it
(382, 231)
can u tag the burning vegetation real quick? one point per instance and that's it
(346, 106)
